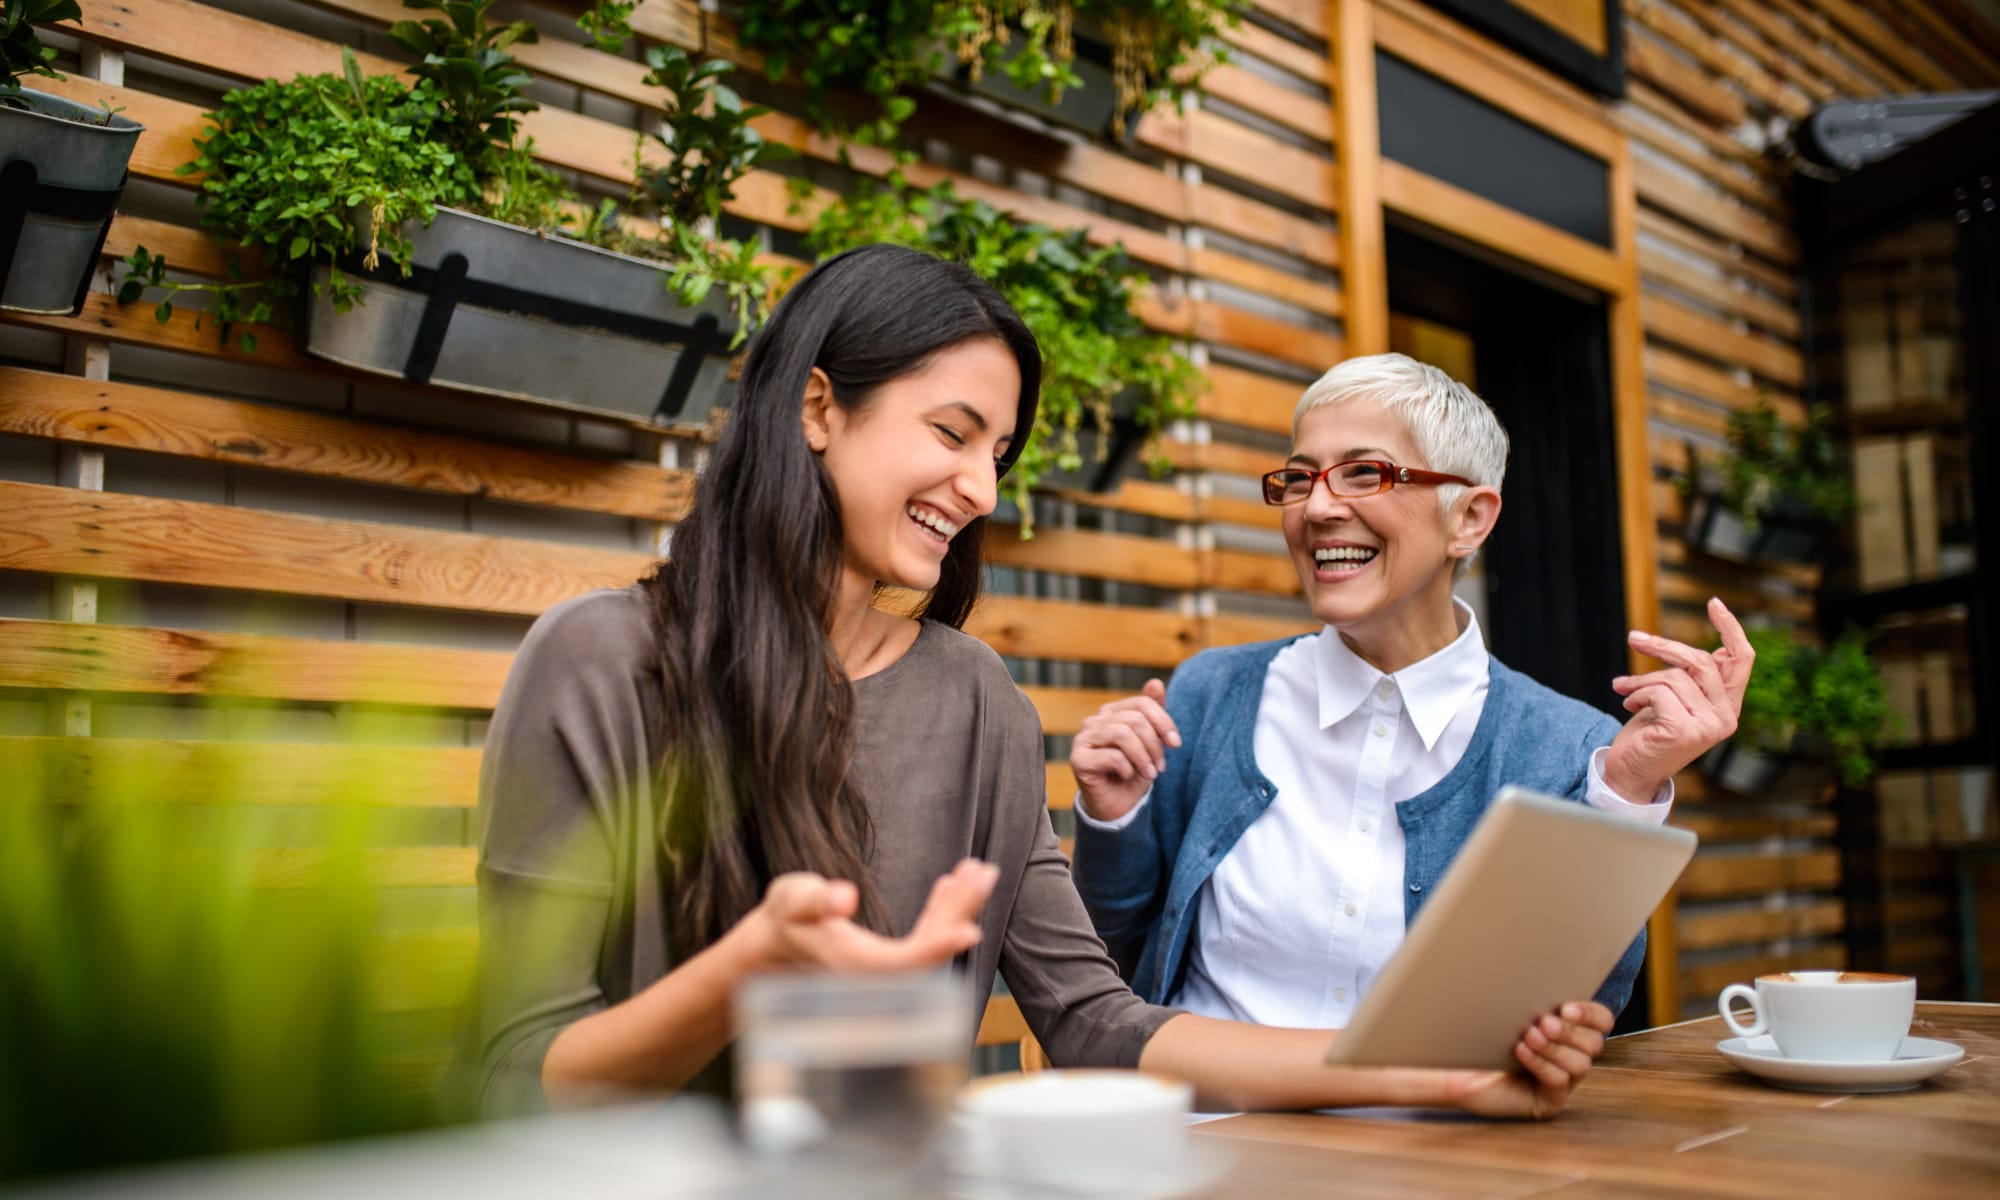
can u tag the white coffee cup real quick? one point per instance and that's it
(1827, 1016)
(1075, 1132)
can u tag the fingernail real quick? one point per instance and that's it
(1620, 680)
(1173, 738)
(1572, 1012)
(1640, 635)
(1152, 772)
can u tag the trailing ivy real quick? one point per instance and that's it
(1075, 297)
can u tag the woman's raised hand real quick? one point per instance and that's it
(1121, 750)
(1680, 711)
(807, 921)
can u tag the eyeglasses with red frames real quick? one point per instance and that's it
(1361, 477)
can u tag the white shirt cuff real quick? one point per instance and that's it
(1109, 826)
(1602, 797)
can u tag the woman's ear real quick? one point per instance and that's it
(816, 413)
(1472, 521)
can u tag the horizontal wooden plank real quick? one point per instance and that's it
(1704, 981)
(1235, 630)
(1100, 633)
(127, 416)
(1649, 60)
(103, 535)
(1137, 496)
(1247, 571)
(1776, 279)
(1705, 333)
(1266, 281)
(1484, 223)
(1060, 782)
(1767, 313)
(1314, 349)
(398, 867)
(1710, 931)
(1312, 239)
(1716, 827)
(1719, 214)
(1272, 101)
(1310, 63)
(1222, 145)
(1063, 709)
(1307, 16)
(66, 656)
(1715, 876)
(1250, 398)
(182, 772)
(1094, 555)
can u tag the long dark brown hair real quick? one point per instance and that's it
(759, 713)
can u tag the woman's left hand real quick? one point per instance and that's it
(1555, 1054)
(1679, 712)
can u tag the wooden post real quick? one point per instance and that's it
(1364, 271)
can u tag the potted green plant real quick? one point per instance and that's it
(1753, 760)
(166, 1003)
(1775, 494)
(1846, 712)
(1092, 65)
(62, 170)
(422, 240)
(1105, 379)
(1803, 702)
(1089, 64)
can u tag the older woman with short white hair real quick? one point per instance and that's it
(1253, 841)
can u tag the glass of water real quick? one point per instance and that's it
(847, 1081)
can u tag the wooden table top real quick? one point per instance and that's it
(1662, 1114)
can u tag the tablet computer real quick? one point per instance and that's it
(1535, 911)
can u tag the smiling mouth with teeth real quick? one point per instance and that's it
(1343, 558)
(931, 523)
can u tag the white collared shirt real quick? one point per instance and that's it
(1303, 913)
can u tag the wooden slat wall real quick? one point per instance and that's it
(1720, 266)
(285, 531)
(187, 528)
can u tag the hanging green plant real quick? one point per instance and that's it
(1830, 701)
(887, 49)
(1075, 297)
(286, 163)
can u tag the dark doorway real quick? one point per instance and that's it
(1555, 593)
(1554, 568)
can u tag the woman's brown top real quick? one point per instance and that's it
(573, 912)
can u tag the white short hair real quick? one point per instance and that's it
(1452, 428)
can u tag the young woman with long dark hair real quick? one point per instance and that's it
(743, 764)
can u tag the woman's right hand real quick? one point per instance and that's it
(807, 921)
(1121, 750)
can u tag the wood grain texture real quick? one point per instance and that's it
(1661, 1115)
(1485, 223)
(125, 416)
(101, 535)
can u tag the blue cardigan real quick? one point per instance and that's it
(1142, 883)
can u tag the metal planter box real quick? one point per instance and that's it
(1787, 531)
(1737, 768)
(62, 169)
(498, 309)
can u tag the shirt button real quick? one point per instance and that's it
(1388, 689)
(1340, 995)
(1381, 730)
(1351, 910)
(1367, 826)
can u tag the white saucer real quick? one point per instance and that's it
(1917, 1060)
(1202, 1167)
